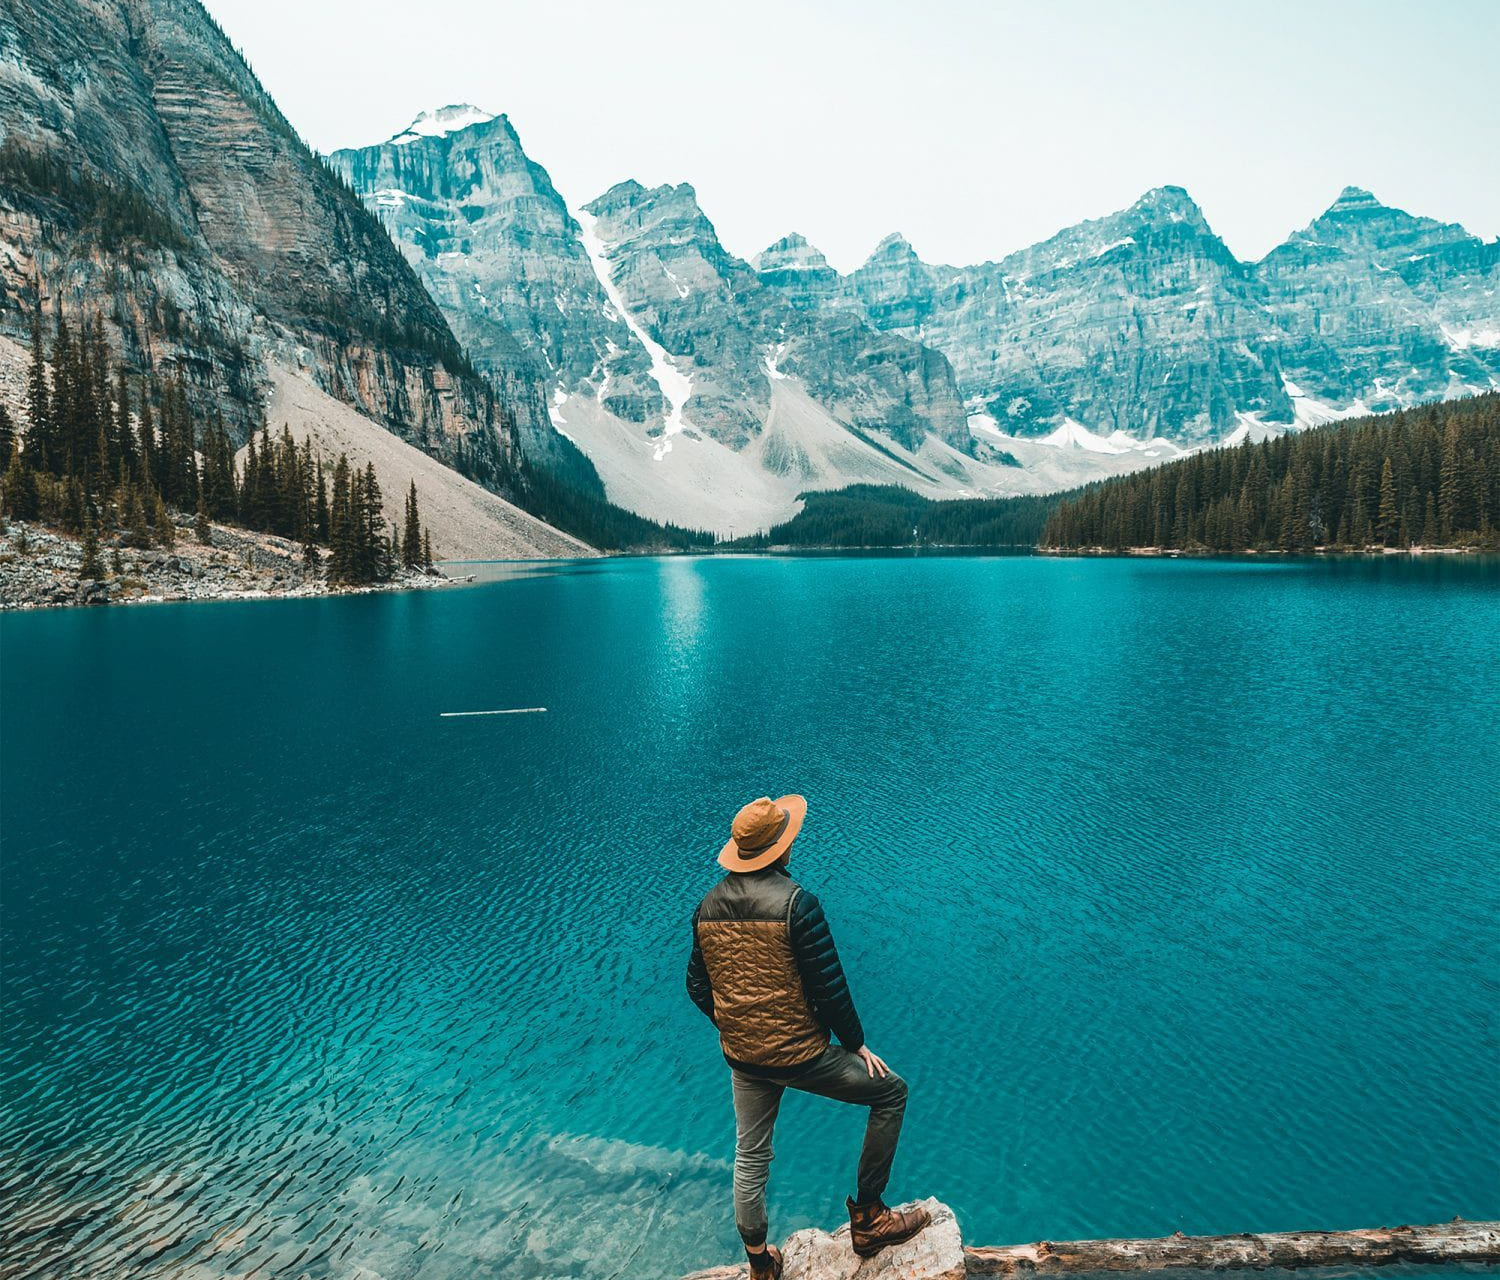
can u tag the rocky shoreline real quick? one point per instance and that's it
(939, 1252)
(1203, 553)
(40, 568)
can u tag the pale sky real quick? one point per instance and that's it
(975, 127)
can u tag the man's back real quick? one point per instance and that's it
(774, 982)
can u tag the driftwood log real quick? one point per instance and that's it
(1451, 1242)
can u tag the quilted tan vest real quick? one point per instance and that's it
(759, 1004)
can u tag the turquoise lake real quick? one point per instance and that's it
(1170, 887)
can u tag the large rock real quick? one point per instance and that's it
(936, 1254)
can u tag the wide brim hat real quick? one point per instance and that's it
(761, 832)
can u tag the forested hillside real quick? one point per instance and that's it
(103, 459)
(1427, 477)
(869, 515)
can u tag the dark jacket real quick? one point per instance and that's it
(765, 971)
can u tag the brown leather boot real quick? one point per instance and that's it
(873, 1226)
(765, 1266)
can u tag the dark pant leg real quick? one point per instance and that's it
(756, 1102)
(841, 1075)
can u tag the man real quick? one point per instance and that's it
(765, 971)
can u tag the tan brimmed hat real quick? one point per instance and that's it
(762, 831)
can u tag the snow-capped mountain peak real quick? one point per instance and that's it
(443, 121)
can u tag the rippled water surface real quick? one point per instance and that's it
(1170, 887)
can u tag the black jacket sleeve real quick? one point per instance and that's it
(699, 990)
(822, 974)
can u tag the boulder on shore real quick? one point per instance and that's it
(936, 1254)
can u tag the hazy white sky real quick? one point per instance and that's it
(973, 127)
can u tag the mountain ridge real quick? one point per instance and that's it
(1266, 334)
(701, 394)
(1120, 339)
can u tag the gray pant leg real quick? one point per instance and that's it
(841, 1075)
(756, 1102)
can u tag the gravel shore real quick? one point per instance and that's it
(39, 568)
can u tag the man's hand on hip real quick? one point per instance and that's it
(873, 1064)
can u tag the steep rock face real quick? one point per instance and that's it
(1384, 307)
(711, 309)
(706, 308)
(895, 288)
(494, 242)
(1143, 324)
(1138, 323)
(650, 335)
(144, 172)
(800, 272)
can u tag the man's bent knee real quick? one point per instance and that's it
(893, 1096)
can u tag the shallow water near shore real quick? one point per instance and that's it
(1170, 887)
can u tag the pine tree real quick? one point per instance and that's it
(124, 442)
(39, 444)
(91, 568)
(201, 527)
(72, 509)
(320, 505)
(1389, 516)
(412, 540)
(426, 548)
(133, 516)
(340, 565)
(1448, 485)
(166, 532)
(375, 559)
(21, 499)
(146, 428)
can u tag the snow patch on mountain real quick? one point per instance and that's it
(676, 387)
(1074, 435)
(773, 362)
(1463, 339)
(1312, 412)
(443, 121)
(1252, 430)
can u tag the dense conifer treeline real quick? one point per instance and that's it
(101, 455)
(1428, 476)
(599, 523)
(869, 515)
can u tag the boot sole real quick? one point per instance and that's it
(869, 1251)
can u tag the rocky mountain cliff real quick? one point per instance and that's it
(702, 394)
(495, 244)
(145, 173)
(1143, 325)
(711, 390)
(1381, 308)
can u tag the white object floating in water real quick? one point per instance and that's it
(507, 711)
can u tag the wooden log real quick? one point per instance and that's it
(1451, 1242)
